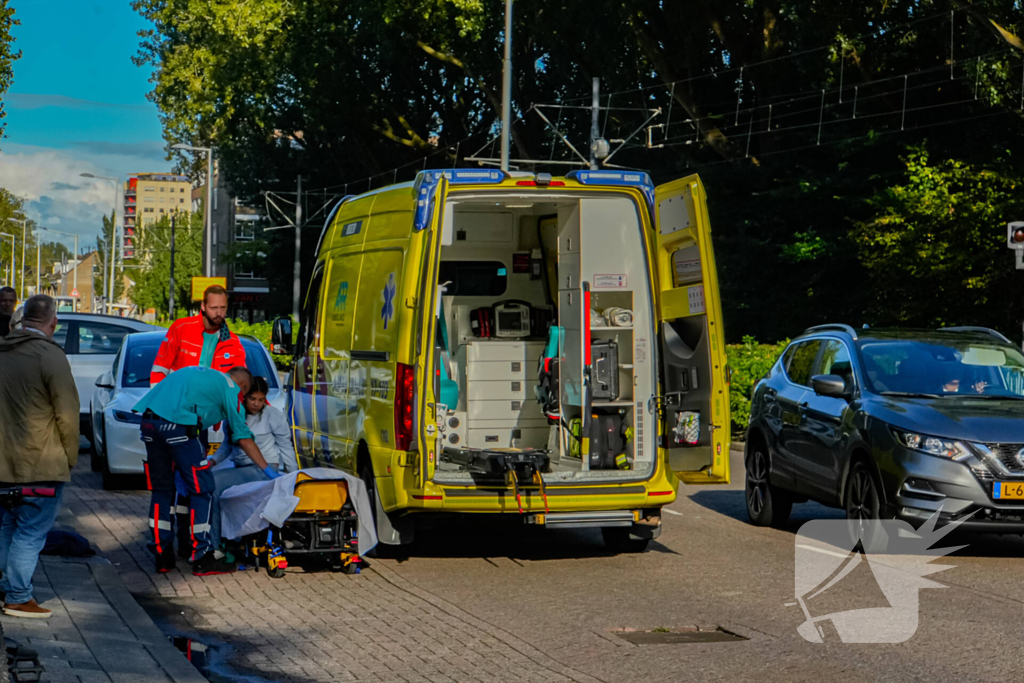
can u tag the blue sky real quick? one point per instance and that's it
(77, 104)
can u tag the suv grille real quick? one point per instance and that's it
(1006, 453)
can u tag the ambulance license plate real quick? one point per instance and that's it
(1008, 490)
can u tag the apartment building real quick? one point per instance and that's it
(150, 196)
(233, 224)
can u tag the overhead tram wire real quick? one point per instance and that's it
(720, 72)
(816, 95)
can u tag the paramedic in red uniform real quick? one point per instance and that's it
(203, 340)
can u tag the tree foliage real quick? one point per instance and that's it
(763, 97)
(8, 55)
(935, 249)
(151, 288)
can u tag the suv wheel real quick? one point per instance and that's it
(767, 505)
(863, 504)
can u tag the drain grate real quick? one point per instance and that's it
(678, 636)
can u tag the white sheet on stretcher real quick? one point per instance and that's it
(248, 508)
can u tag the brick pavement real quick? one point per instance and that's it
(321, 626)
(98, 633)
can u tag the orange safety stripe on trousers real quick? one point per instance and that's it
(149, 482)
(192, 532)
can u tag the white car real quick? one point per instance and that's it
(117, 447)
(90, 342)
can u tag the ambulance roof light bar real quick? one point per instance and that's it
(426, 184)
(637, 179)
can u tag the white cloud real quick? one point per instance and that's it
(57, 196)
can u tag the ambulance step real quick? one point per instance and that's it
(583, 520)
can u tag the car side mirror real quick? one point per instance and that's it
(105, 381)
(281, 337)
(829, 385)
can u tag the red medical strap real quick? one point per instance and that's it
(586, 327)
(192, 531)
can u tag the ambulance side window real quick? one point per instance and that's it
(311, 313)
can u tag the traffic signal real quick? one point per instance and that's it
(1015, 235)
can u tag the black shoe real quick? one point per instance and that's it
(165, 562)
(185, 554)
(208, 564)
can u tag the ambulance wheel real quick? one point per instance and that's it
(618, 540)
(276, 572)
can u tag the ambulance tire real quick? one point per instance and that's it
(619, 540)
(382, 550)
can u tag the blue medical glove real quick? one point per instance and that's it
(271, 472)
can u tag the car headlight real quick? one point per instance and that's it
(933, 445)
(127, 416)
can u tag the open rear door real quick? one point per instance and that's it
(695, 395)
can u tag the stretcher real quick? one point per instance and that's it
(324, 524)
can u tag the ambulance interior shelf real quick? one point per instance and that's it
(489, 357)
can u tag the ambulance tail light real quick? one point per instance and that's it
(405, 402)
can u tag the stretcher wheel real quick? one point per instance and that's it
(351, 568)
(276, 572)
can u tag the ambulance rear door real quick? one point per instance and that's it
(694, 396)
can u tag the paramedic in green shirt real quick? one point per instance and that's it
(174, 414)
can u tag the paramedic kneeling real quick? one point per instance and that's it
(174, 412)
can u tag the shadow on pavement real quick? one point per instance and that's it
(732, 504)
(505, 538)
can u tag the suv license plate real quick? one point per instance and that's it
(1008, 490)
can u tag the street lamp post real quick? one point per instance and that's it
(74, 277)
(113, 239)
(208, 228)
(24, 224)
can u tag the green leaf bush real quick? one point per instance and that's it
(749, 362)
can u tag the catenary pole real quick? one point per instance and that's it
(595, 131)
(506, 88)
(297, 283)
(170, 295)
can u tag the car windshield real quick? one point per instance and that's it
(256, 361)
(138, 364)
(943, 368)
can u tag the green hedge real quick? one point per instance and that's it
(261, 331)
(749, 362)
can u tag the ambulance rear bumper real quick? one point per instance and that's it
(584, 520)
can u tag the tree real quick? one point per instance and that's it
(103, 257)
(7, 55)
(151, 288)
(935, 248)
(339, 91)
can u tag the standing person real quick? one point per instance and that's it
(8, 298)
(202, 339)
(38, 445)
(174, 413)
(270, 430)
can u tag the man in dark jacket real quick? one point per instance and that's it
(38, 445)
(8, 299)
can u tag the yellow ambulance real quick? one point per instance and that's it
(486, 342)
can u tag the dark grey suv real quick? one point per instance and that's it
(891, 423)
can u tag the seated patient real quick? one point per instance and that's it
(274, 439)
